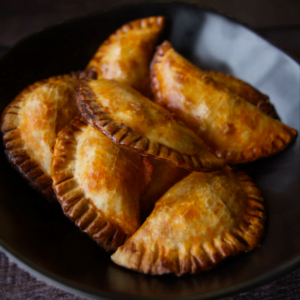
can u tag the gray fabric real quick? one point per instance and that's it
(17, 284)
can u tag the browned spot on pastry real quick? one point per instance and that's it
(240, 239)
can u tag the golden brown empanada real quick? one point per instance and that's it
(134, 122)
(97, 183)
(31, 122)
(201, 220)
(163, 176)
(232, 128)
(245, 91)
(126, 55)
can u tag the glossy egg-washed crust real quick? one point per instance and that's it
(15, 146)
(102, 101)
(201, 220)
(245, 91)
(107, 175)
(232, 128)
(126, 55)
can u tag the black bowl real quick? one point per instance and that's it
(43, 240)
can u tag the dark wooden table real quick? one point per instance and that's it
(278, 21)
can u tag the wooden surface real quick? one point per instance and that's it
(275, 19)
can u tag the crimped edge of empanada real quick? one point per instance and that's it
(125, 137)
(279, 143)
(260, 100)
(71, 196)
(150, 22)
(156, 259)
(155, 86)
(14, 144)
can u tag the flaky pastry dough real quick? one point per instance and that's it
(232, 128)
(31, 122)
(97, 183)
(132, 121)
(245, 91)
(126, 55)
(201, 220)
(163, 176)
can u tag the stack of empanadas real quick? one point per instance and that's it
(116, 158)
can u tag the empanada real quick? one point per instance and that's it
(232, 128)
(31, 122)
(97, 183)
(126, 55)
(163, 176)
(201, 220)
(134, 122)
(245, 91)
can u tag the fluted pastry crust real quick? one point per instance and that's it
(97, 183)
(201, 220)
(245, 91)
(134, 122)
(29, 125)
(126, 55)
(232, 128)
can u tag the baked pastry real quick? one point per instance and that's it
(97, 183)
(164, 175)
(134, 122)
(126, 55)
(31, 122)
(245, 91)
(232, 128)
(201, 220)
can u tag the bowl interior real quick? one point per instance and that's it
(39, 235)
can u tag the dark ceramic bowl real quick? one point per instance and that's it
(44, 241)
